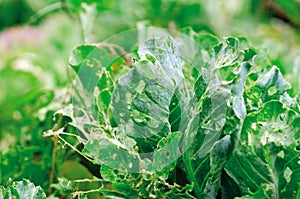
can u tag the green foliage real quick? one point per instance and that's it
(267, 153)
(291, 9)
(153, 121)
(22, 190)
(30, 94)
(20, 8)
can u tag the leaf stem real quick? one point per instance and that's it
(190, 173)
(52, 170)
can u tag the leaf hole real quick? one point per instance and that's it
(281, 117)
(272, 90)
(130, 165)
(121, 114)
(167, 154)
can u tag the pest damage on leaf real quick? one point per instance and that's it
(183, 112)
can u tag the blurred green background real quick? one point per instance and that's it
(37, 36)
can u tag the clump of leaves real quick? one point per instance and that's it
(22, 190)
(221, 124)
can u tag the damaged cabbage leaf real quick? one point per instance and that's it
(146, 98)
(147, 104)
(22, 190)
(221, 111)
(170, 128)
(268, 152)
(267, 156)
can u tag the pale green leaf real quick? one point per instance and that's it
(269, 138)
(22, 190)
